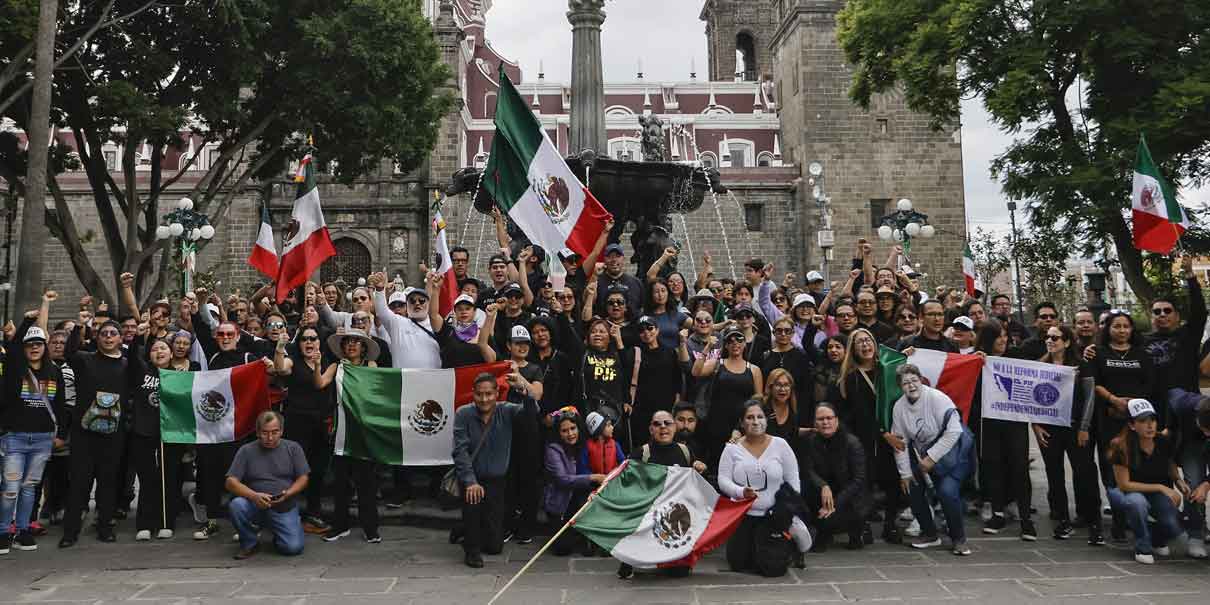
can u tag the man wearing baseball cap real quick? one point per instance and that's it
(815, 284)
(614, 275)
(498, 271)
(511, 313)
(963, 334)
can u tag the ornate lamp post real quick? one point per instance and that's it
(904, 224)
(188, 227)
(826, 236)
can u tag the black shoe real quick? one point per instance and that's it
(67, 541)
(456, 535)
(106, 535)
(867, 534)
(473, 560)
(1029, 533)
(1095, 537)
(522, 538)
(25, 541)
(335, 534)
(800, 561)
(120, 514)
(6, 541)
(508, 536)
(891, 535)
(1064, 531)
(995, 525)
(855, 543)
(373, 538)
(625, 571)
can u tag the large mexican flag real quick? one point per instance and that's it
(651, 515)
(533, 185)
(951, 373)
(404, 417)
(1158, 219)
(215, 406)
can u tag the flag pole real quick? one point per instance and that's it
(569, 523)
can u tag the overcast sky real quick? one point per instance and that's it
(667, 36)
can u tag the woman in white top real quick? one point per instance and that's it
(754, 467)
(930, 426)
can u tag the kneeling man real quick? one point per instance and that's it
(264, 479)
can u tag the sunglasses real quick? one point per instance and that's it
(418, 301)
(224, 334)
(646, 327)
(107, 333)
(1052, 337)
(659, 423)
(308, 338)
(615, 303)
(735, 339)
(783, 331)
(514, 295)
(844, 315)
(779, 299)
(907, 318)
(276, 325)
(1163, 311)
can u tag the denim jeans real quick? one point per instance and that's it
(1194, 468)
(25, 455)
(1136, 506)
(948, 489)
(249, 520)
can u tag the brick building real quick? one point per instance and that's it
(772, 102)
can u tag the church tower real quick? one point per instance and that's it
(867, 159)
(738, 33)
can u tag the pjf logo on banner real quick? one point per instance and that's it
(1046, 394)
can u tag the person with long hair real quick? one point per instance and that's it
(785, 418)
(308, 411)
(734, 381)
(784, 355)
(568, 486)
(605, 372)
(1123, 371)
(658, 382)
(664, 311)
(1149, 484)
(826, 377)
(1057, 442)
(834, 468)
(181, 343)
(158, 500)
(1003, 447)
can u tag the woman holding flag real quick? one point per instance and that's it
(156, 464)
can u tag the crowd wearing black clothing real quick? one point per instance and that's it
(637, 352)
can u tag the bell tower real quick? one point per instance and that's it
(738, 33)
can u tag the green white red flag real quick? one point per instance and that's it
(445, 268)
(951, 373)
(651, 515)
(215, 406)
(534, 187)
(307, 244)
(973, 284)
(1158, 219)
(404, 417)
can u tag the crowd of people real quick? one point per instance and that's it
(766, 386)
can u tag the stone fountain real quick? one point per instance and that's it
(644, 194)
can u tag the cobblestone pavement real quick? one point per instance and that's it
(416, 564)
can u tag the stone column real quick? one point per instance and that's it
(587, 81)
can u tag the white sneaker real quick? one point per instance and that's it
(1162, 551)
(912, 530)
(235, 537)
(986, 513)
(143, 535)
(1144, 559)
(906, 515)
(1196, 549)
(198, 509)
(164, 534)
(1011, 511)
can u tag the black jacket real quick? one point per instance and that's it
(838, 462)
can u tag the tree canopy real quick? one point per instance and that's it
(364, 78)
(1075, 81)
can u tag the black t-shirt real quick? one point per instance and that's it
(456, 353)
(98, 373)
(797, 363)
(1125, 374)
(920, 341)
(504, 330)
(883, 333)
(1146, 468)
(302, 396)
(605, 379)
(556, 380)
(660, 379)
(531, 372)
(670, 455)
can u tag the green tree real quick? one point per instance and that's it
(364, 78)
(1076, 81)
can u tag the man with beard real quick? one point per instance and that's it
(1046, 316)
(612, 276)
(413, 342)
(867, 317)
(932, 322)
(497, 272)
(512, 302)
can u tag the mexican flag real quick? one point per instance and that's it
(951, 373)
(968, 272)
(449, 283)
(404, 417)
(264, 252)
(534, 187)
(651, 515)
(1159, 220)
(215, 406)
(307, 244)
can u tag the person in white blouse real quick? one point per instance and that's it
(754, 467)
(930, 428)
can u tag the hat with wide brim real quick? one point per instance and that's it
(702, 295)
(335, 341)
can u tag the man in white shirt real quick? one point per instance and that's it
(412, 341)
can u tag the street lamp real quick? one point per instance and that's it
(1012, 217)
(904, 224)
(825, 236)
(188, 227)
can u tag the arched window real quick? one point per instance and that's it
(352, 260)
(742, 152)
(745, 48)
(708, 159)
(489, 105)
(764, 159)
(626, 148)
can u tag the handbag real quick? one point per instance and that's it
(451, 489)
(701, 403)
(959, 461)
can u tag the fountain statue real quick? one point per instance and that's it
(645, 194)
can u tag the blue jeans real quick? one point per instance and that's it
(1136, 506)
(248, 520)
(948, 489)
(25, 455)
(1195, 474)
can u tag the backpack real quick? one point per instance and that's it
(646, 455)
(104, 412)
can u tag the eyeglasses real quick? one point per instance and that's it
(361, 298)
(783, 331)
(907, 318)
(276, 325)
(1047, 316)
(308, 338)
(224, 334)
(779, 299)
(615, 303)
(1158, 311)
(757, 479)
(659, 423)
(107, 333)
(702, 320)
(844, 315)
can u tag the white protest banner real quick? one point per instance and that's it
(1027, 391)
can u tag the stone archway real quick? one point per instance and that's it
(352, 261)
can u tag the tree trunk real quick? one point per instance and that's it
(31, 253)
(1131, 260)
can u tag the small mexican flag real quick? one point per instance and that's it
(951, 373)
(216, 406)
(535, 188)
(973, 284)
(1159, 220)
(651, 515)
(307, 243)
(404, 417)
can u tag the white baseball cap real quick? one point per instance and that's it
(34, 333)
(814, 276)
(803, 299)
(397, 297)
(1140, 408)
(464, 298)
(410, 290)
(963, 322)
(519, 334)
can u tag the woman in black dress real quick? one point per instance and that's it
(734, 381)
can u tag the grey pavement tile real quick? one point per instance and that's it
(986, 553)
(984, 589)
(772, 594)
(271, 586)
(483, 582)
(981, 571)
(1078, 570)
(868, 558)
(1087, 554)
(1115, 586)
(191, 590)
(622, 596)
(1171, 599)
(827, 575)
(861, 591)
(72, 592)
